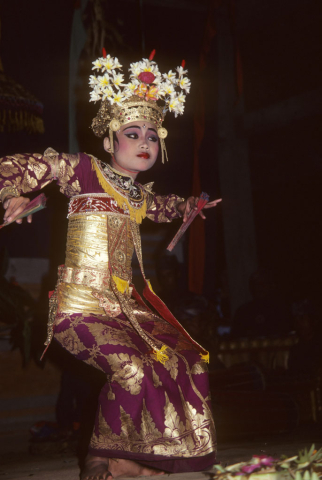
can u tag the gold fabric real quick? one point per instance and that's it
(86, 276)
(28, 172)
(86, 283)
(193, 437)
(63, 168)
(187, 431)
(159, 205)
(87, 242)
(8, 191)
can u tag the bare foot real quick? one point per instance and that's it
(126, 468)
(96, 468)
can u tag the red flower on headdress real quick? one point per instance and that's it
(146, 77)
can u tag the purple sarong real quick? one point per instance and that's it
(152, 413)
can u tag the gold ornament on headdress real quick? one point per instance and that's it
(137, 100)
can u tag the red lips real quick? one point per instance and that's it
(144, 155)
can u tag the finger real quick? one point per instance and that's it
(187, 210)
(12, 206)
(202, 215)
(13, 212)
(19, 221)
(213, 203)
(9, 205)
(29, 218)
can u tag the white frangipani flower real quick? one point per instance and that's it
(104, 80)
(181, 97)
(94, 96)
(135, 69)
(185, 84)
(118, 79)
(173, 103)
(117, 98)
(108, 64)
(179, 110)
(93, 80)
(170, 76)
(181, 71)
(107, 93)
(117, 63)
(97, 64)
(130, 87)
(168, 88)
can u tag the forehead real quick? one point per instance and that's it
(140, 124)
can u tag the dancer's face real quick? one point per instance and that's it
(137, 148)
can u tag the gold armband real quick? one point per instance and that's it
(6, 191)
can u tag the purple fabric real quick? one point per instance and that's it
(86, 176)
(85, 338)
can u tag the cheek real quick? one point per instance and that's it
(156, 148)
(123, 146)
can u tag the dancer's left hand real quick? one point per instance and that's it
(186, 207)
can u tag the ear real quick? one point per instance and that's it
(107, 144)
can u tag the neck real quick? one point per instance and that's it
(116, 166)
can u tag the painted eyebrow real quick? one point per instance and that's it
(136, 126)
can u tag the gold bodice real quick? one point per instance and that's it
(97, 244)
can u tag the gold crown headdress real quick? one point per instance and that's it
(123, 103)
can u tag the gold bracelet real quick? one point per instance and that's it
(12, 191)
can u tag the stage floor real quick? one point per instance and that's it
(17, 464)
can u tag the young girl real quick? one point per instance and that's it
(154, 412)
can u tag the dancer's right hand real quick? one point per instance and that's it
(13, 207)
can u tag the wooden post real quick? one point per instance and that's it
(232, 151)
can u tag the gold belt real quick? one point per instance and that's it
(85, 276)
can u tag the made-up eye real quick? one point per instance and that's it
(133, 136)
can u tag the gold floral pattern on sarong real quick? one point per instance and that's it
(198, 368)
(128, 370)
(69, 340)
(106, 335)
(187, 437)
(172, 366)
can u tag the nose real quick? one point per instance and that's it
(144, 145)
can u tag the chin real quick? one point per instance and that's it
(143, 166)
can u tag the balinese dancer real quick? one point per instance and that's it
(154, 412)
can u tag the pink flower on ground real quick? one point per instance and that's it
(258, 462)
(264, 460)
(146, 77)
(250, 468)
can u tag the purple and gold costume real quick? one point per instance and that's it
(153, 409)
